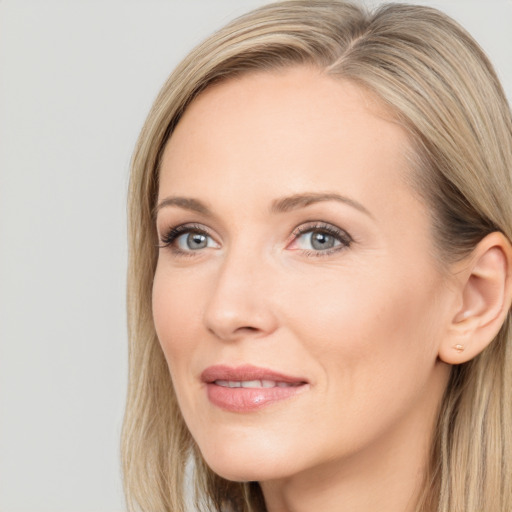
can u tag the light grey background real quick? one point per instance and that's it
(76, 81)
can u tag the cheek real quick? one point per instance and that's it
(370, 335)
(176, 316)
(375, 357)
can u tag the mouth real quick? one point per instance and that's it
(255, 384)
(248, 388)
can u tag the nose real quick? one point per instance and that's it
(240, 303)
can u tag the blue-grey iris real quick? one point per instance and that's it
(321, 240)
(196, 241)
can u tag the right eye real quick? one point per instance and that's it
(193, 241)
(187, 239)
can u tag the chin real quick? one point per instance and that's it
(248, 464)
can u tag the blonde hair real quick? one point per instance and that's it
(442, 89)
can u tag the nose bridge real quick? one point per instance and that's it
(240, 301)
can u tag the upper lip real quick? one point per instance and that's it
(246, 373)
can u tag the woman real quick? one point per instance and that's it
(320, 272)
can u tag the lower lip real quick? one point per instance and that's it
(248, 399)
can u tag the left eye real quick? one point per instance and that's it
(320, 239)
(317, 240)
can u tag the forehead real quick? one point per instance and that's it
(288, 129)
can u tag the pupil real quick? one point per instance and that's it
(196, 241)
(321, 240)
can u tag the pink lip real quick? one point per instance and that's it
(241, 399)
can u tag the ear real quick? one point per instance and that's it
(484, 296)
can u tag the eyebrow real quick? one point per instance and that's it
(187, 203)
(297, 201)
(281, 205)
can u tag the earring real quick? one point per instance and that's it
(459, 348)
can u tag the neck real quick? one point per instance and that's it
(386, 485)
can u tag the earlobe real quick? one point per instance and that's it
(485, 294)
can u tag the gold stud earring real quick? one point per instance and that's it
(459, 348)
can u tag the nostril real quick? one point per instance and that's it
(235, 333)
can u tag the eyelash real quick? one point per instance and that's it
(168, 239)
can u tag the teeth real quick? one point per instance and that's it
(252, 384)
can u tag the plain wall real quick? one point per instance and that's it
(76, 81)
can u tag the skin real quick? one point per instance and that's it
(362, 324)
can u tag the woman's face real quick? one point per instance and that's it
(296, 296)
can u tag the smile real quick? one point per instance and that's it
(248, 388)
(254, 384)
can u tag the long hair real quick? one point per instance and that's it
(439, 85)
